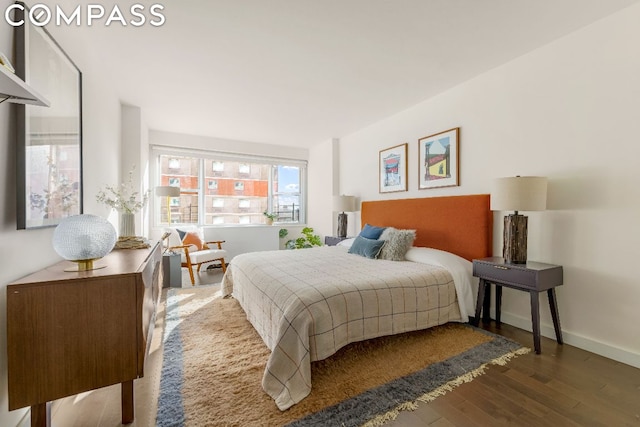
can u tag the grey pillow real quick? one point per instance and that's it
(398, 243)
(366, 247)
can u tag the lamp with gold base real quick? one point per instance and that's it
(168, 191)
(84, 239)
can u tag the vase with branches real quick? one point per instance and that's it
(125, 199)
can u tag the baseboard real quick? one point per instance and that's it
(588, 344)
(25, 421)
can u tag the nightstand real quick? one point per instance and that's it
(532, 277)
(333, 240)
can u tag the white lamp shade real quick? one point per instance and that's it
(519, 193)
(84, 237)
(344, 203)
(167, 191)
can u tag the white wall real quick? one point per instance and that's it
(568, 111)
(134, 157)
(22, 252)
(323, 183)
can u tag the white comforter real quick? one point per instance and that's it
(307, 304)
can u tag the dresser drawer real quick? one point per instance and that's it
(506, 274)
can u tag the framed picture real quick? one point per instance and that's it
(49, 146)
(438, 159)
(393, 169)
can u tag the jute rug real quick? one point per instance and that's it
(214, 361)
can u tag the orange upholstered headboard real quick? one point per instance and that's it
(462, 225)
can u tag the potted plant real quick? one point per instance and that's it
(270, 217)
(309, 240)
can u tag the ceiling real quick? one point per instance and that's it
(298, 72)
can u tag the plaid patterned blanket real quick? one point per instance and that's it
(307, 304)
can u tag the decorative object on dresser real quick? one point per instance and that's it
(392, 165)
(343, 204)
(68, 333)
(519, 193)
(438, 157)
(84, 239)
(532, 277)
(127, 200)
(167, 191)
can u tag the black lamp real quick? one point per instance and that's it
(343, 204)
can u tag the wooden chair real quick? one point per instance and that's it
(191, 256)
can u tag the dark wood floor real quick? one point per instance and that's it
(563, 386)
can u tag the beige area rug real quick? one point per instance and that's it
(214, 361)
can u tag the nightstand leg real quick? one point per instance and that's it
(553, 305)
(479, 301)
(535, 320)
(498, 302)
(486, 316)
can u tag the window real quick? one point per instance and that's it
(286, 193)
(224, 189)
(174, 164)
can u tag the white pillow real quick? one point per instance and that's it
(346, 242)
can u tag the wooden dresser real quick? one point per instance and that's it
(70, 332)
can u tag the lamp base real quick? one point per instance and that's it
(84, 265)
(342, 225)
(514, 245)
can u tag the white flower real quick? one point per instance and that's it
(123, 198)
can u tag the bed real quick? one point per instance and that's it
(307, 304)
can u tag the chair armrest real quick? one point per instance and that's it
(218, 242)
(185, 248)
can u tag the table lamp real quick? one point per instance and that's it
(84, 239)
(519, 193)
(343, 204)
(168, 191)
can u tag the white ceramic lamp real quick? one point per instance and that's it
(84, 239)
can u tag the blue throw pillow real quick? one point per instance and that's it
(366, 247)
(371, 231)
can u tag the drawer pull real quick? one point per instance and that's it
(500, 267)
